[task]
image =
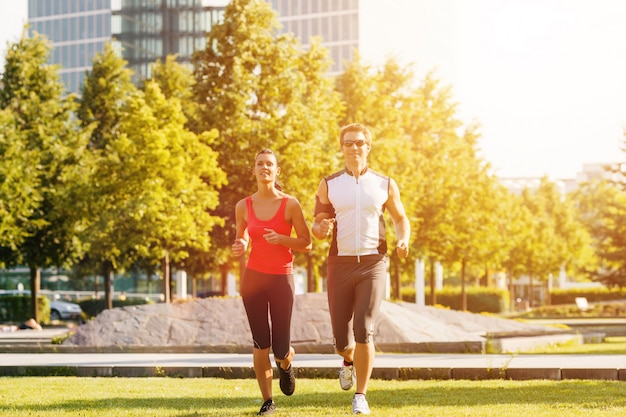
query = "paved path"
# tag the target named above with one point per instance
(387, 366)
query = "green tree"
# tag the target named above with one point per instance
(153, 181)
(557, 236)
(602, 208)
(40, 114)
(104, 96)
(472, 206)
(260, 89)
(515, 226)
(103, 104)
(177, 81)
(187, 180)
(421, 142)
(18, 185)
(381, 99)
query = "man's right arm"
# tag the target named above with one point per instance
(324, 221)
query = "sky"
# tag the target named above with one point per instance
(545, 80)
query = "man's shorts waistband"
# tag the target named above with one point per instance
(334, 259)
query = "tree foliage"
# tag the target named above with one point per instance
(46, 143)
(176, 81)
(420, 141)
(260, 89)
(556, 235)
(153, 181)
(603, 211)
(133, 176)
(19, 185)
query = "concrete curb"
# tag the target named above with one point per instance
(426, 347)
(387, 366)
(401, 374)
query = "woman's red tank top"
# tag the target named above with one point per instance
(265, 257)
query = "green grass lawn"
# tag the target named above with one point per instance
(96, 397)
(611, 345)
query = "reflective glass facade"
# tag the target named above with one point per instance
(78, 29)
(142, 30)
(148, 30)
(335, 21)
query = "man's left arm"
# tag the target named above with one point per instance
(400, 219)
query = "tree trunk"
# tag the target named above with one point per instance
(310, 278)
(548, 291)
(35, 284)
(433, 291)
(396, 284)
(96, 283)
(531, 294)
(224, 276)
(463, 293)
(511, 291)
(107, 273)
(167, 285)
(149, 272)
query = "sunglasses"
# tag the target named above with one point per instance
(359, 143)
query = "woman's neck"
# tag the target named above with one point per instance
(267, 190)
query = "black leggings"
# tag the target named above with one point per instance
(274, 292)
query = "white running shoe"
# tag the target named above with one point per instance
(347, 376)
(359, 405)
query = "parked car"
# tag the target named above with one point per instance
(59, 309)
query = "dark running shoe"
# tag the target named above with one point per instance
(287, 380)
(268, 407)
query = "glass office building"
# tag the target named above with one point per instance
(143, 31)
(335, 21)
(149, 30)
(77, 29)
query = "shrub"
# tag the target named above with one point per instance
(562, 296)
(92, 307)
(479, 299)
(17, 309)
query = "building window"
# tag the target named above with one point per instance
(335, 29)
(346, 33)
(335, 55)
(325, 29)
(304, 31)
(314, 4)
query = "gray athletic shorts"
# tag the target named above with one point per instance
(355, 291)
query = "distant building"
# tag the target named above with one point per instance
(589, 172)
(336, 22)
(368, 26)
(149, 30)
(142, 30)
(517, 184)
(610, 171)
(78, 30)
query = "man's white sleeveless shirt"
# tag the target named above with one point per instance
(359, 205)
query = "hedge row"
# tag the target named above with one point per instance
(479, 299)
(493, 300)
(92, 307)
(593, 295)
(16, 309)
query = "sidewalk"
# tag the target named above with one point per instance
(387, 366)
